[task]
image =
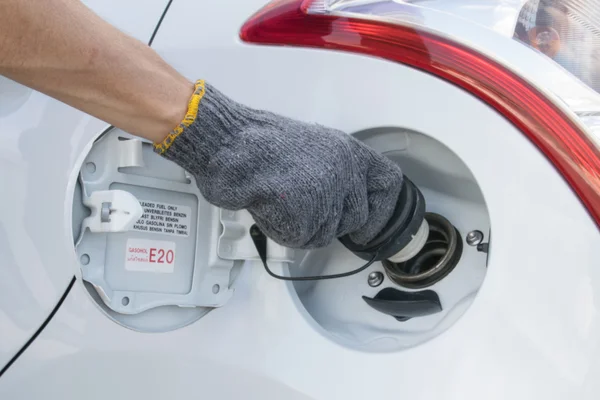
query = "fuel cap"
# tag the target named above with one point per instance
(403, 226)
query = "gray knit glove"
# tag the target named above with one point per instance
(305, 185)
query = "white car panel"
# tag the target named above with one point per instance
(134, 17)
(42, 141)
(532, 331)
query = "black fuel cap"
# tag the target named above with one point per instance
(402, 226)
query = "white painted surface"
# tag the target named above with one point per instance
(42, 140)
(134, 17)
(531, 333)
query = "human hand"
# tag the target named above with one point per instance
(304, 184)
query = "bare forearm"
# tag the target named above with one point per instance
(63, 49)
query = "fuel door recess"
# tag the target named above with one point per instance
(145, 236)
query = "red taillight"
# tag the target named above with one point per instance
(287, 22)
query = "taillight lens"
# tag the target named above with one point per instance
(315, 23)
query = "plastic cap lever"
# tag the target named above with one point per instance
(112, 211)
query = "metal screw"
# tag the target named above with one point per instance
(85, 259)
(474, 238)
(375, 279)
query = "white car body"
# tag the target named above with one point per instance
(529, 330)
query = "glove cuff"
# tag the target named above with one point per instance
(190, 117)
(211, 125)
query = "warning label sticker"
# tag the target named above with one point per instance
(144, 255)
(168, 219)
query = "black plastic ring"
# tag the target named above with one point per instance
(402, 226)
